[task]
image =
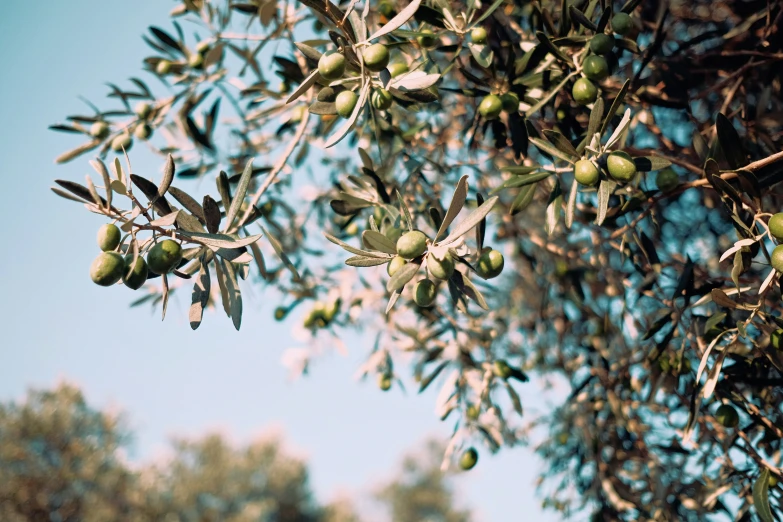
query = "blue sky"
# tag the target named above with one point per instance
(170, 380)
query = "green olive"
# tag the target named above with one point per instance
(601, 43)
(478, 35)
(395, 264)
(376, 57)
(440, 268)
(109, 237)
(412, 244)
(164, 257)
(107, 268)
(490, 107)
(425, 293)
(490, 264)
(621, 166)
(468, 459)
(586, 173)
(776, 226)
(381, 99)
(345, 103)
(331, 65)
(135, 276)
(596, 68)
(584, 91)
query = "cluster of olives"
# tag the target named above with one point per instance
(195, 60)
(331, 67)
(110, 266)
(619, 164)
(100, 129)
(595, 67)
(776, 230)
(414, 244)
(321, 314)
(491, 106)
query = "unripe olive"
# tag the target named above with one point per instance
(107, 268)
(510, 102)
(99, 130)
(143, 109)
(772, 481)
(440, 268)
(331, 65)
(621, 166)
(472, 412)
(163, 67)
(776, 226)
(502, 369)
(596, 68)
(727, 416)
(384, 382)
(280, 313)
(412, 244)
(143, 131)
(586, 173)
(490, 264)
(490, 107)
(667, 180)
(123, 141)
(381, 99)
(345, 103)
(776, 258)
(468, 459)
(425, 293)
(109, 237)
(164, 257)
(584, 91)
(135, 274)
(196, 61)
(386, 8)
(776, 339)
(601, 43)
(376, 57)
(397, 69)
(395, 264)
(428, 39)
(622, 24)
(478, 35)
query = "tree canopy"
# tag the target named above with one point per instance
(582, 190)
(62, 459)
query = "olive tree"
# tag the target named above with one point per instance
(584, 190)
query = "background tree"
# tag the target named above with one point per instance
(656, 296)
(62, 459)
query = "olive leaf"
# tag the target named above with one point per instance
(571, 205)
(650, 163)
(168, 176)
(553, 208)
(473, 219)
(426, 381)
(580, 17)
(761, 496)
(377, 241)
(216, 241)
(730, 143)
(398, 21)
(404, 211)
(618, 100)
(354, 250)
(311, 52)
(239, 196)
(552, 150)
(482, 54)
(457, 202)
(304, 86)
(184, 199)
(402, 276)
(523, 199)
(561, 142)
(200, 295)
(553, 49)
(100, 167)
(150, 190)
(278, 248)
(365, 261)
(605, 190)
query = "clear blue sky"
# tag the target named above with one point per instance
(172, 381)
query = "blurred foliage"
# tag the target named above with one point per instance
(62, 460)
(595, 182)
